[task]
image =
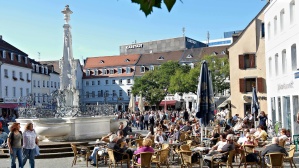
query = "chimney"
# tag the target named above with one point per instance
(0, 37)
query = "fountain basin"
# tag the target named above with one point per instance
(75, 128)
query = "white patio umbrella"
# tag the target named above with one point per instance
(132, 103)
(141, 104)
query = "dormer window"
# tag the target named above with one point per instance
(37, 68)
(46, 70)
(214, 53)
(102, 62)
(43, 70)
(128, 70)
(223, 52)
(161, 58)
(11, 56)
(26, 60)
(142, 69)
(111, 71)
(127, 60)
(105, 71)
(189, 56)
(152, 67)
(19, 58)
(4, 53)
(88, 72)
(120, 70)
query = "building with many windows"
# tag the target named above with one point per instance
(15, 75)
(282, 38)
(109, 79)
(248, 67)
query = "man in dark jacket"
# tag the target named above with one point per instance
(274, 147)
(116, 147)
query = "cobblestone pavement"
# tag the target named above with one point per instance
(67, 162)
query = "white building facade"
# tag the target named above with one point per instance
(282, 62)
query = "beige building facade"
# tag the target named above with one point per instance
(248, 67)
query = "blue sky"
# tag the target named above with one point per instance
(99, 27)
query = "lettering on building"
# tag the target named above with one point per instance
(191, 41)
(285, 86)
(10, 100)
(133, 46)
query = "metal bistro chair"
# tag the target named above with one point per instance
(276, 159)
(145, 157)
(291, 155)
(77, 154)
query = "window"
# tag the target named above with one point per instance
(27, 76)
(46, 70)
(26, 60)
(276, 65)
(19, 58)
(87, 83)
(281, 20)
(51, 84)
(189, 56)
(38, 85)
(6, 73)
(93, 94)
(54, 84)
(87, 94)
(106, 93)
(128, 70)
(269, 31)
(92, 82)
(44, 83)
(27, 91)
(111, 71)
(129, 92)
(11, 56)
(43, 70)
(88, 72)
(14, 91)
(13, 74)
(142, 69)
(120, 70)
(113, 81)
(246, 84)
(47, 83)
(161, 58)
(34, 84)
(96, 72)
(107, 82)
(100, 93)
(152, 67)
(292, 11)
(275, 25)
(270, 66)
(120, 81)
(58, 84)
(247, 61)
(128, 81)
(6, 91)
(99, 82)
(105, 71)
(120, 93)
(114, 92)
(37, 68)
(284, 61)
(21, 92)
(294, 57)
(4, 54)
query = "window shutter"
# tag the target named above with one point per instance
(242, 85)
(252, 60)
(241, 62)
(260, 85)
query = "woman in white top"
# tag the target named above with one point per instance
(29, 143)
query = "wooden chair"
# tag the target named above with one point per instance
(114, 162)
(165, 146)
(189, 143)
(186, 159)
(161, 157)
(77, 154)
(139, 142)
(243, 159)
(282, 143)
(184, 148)
(291, 155)
(99, 158)
(229, 162)
(276, 159)
(145, 157)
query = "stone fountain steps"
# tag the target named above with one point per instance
(51, 150)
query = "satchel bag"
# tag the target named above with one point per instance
(36, 151)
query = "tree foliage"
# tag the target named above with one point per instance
(146, 6)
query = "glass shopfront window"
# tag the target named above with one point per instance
(273, 110)
(295, 111)
(286, 112)
(279, 109)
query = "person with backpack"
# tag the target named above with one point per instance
(15, 143)
(29, 144)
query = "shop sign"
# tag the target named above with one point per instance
(191, 41)
(285, 86)
(248, 98)
(133, 46)
(10, 100)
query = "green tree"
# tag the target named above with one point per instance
(146, 6)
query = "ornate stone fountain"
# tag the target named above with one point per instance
(65, 118)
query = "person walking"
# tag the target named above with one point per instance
(146, 118)
(29, 143)
(14, 142)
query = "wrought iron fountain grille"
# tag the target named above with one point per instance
(58, 109)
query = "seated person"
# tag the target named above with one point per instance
(160, 138)
(274, 147)
(283, 135)
(219, 145)
(116, 147)
(3, 136)
(215, 136)
(250, 140)
(146, 147)
(243, 138)
(262, 134)
(187, 127)
(196, 129)
(106, 137)
(151, 133)
(176, 135)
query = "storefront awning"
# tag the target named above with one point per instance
(168, 103)
(9, 105)
(223, 104)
